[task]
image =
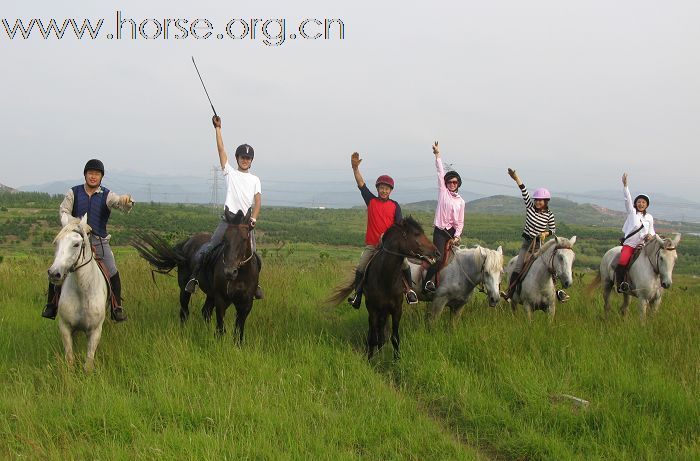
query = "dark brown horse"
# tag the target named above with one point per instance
(229, 272)
(384, 284)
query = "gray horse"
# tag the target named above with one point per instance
(650, 274)
(553, 260)
(468, 269)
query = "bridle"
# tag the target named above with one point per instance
(482, 271)
(402, 255)
(244, 261)
(657, 256)
(75, 265)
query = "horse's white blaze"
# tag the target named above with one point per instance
(650, 274)
(83, 300)
(537, 288)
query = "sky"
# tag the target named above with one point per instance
(569, 93)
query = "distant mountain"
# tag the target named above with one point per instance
(564, 210)
(4, 188)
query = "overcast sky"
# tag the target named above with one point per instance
(570, 93)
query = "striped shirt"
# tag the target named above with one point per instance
(536, 222)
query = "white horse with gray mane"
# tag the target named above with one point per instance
(83, 301)
(468, 269)
(650, 274)
(553, 260)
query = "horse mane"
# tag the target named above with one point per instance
(561, 242)
(411, 222)
(72, 226)
(492, 263)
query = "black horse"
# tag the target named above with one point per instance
(384, 284)
(229, 272)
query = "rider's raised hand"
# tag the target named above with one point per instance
(355, 160)
(436, 149)
(216, 120)
(624, 179)
(513, 174)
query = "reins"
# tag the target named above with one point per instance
(245, 261)
(81, 256)
(480, 285)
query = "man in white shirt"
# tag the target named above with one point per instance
(243, 192)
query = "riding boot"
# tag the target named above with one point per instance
(51, 308)
(620, 275)
(356, 300)
(512, 283)
(118, 314)
(411, 296)
(429, 286)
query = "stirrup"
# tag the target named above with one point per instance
(355, 301)
(191, 286)
(624, 287)
(411, 297)
(430, 286)
(118, 314)
(50, 311)
(562, 296)
(258, 293)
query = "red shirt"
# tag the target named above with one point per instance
(381, 215)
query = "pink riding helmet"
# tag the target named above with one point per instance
(541, 194)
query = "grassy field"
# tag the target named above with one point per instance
(301, 387)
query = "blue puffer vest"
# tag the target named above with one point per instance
(95, 206)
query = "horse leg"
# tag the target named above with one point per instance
(625, 304)
(643, 304)
(184, 305)
(207, 308)
(242, 312)
(551, 310)
(435, 310)
(395, 340)
(221, 306)
(67, 336)
(654, 304)
(607, 289)
(528, 310)
(372, 333)
(93, 339)
(456, 314)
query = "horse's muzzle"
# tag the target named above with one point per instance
(55, 277)
(566, 283)
(666, 285)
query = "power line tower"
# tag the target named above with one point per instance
(214, 201)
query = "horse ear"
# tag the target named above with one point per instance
(572, 240)
(676, 238)
(499, 250)
(83, 220)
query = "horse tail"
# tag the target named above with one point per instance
(340, 293)
(158, 252)
(595, 283)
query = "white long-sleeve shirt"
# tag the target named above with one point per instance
(634, 220)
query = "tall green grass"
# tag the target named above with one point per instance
(301, 388)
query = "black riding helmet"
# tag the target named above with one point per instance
(245, 150)
(453, 174)
(94, 164)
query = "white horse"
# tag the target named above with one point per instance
(553, 260)
(650, 274)
(468, 269)
(83, 301)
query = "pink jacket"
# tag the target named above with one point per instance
(450, 206)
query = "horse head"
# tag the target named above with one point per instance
(562, 259)
(662, 255)
(71, 245)
(237, 249)
(407, 238)
(491, 271)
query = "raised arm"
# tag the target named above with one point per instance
(355, 161)
(223, 157)
(629, 206)
(438, 165)
(523, 190)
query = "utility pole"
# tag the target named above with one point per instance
(214, 201)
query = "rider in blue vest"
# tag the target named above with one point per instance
(97, 201)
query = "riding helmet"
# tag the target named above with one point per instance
(384, 179)
(245, 150)
(453, 174)
(541, 194)
(94, 164)
(644, 196)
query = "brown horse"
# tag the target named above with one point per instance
(229, 272)
(384, 283)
